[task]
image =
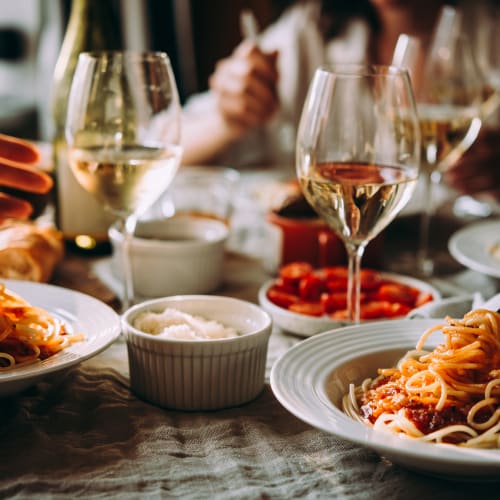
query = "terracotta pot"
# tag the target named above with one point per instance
(311, 240)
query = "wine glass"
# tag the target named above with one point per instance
(449, 96)
(123, 132)
(483, 27)
(358, 155)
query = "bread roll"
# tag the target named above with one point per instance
(29, 251)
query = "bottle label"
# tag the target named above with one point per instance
(78, 211)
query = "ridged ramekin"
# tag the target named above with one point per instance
(199, 374)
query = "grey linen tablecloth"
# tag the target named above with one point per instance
(83, 434)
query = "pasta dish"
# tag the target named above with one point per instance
(28, 333)
(448, 395)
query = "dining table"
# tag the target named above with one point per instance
(82, 432)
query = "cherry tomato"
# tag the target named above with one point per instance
(332, 272)
(281, 299)
(308, 308)
(373, 310)
(310, 288)
(423, 298)
(333, 301)
(337, 284)
(340, 314)
(281, 285)
(293, 272)
(396, 309)
(370, 279)
(395, 292)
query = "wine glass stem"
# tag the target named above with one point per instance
(424, 261)
(128, 228)
(354, 255)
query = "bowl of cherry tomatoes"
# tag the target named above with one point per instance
(305, 300)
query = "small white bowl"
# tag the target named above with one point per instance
(179, 255)
(199, 374)
(307, 326)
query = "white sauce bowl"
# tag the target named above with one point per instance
(179, 255)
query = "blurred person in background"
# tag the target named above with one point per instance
(250, 113)
(30, 35)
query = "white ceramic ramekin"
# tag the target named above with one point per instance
(199, 374)
(179, 255)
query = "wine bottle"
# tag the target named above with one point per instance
(92, 25)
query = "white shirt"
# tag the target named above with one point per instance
(301, 50)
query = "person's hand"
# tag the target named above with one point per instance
(18, 174)
(245, 87)
(478, 171)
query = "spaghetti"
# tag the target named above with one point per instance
(28, 333)
(448, 395)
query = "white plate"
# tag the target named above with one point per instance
(306, 326)
(310, 379)
(456, 307)
(470, 246)
(81, 313)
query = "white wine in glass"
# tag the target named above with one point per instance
(482, 25)
(449, 98)
(123, 133)
(358, 155)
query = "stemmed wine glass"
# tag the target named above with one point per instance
(123, 132)
(485, 33)
(358, 154)
(483, 27)
(449, 92)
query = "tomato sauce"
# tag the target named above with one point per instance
(389, 396)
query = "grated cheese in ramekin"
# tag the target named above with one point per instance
(174, 324)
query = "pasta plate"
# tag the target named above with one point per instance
(311, 378)
(81, 313)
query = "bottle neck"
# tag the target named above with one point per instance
(92, 25)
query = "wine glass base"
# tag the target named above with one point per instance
(426, 267)
(440, 264)
(401, 243)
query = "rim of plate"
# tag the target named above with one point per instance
(298, 380)
(476, 236)
(75, 309)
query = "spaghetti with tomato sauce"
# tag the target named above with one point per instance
(28, 333)
(448, 395)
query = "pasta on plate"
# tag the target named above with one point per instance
(448, 395)
(28, 333)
